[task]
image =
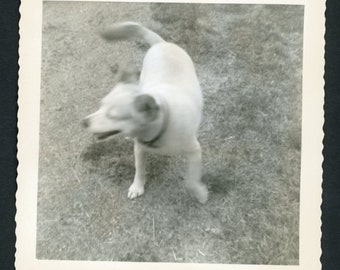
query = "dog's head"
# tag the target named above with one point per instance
(124, 110)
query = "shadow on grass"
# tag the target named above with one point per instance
(95, 151)
(218, 182)
(114, 158)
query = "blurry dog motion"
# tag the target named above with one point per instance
(160, 108)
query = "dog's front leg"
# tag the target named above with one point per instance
(193, 179)
(137, 187)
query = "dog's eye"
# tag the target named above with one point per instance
(110, 115)
(116, 117)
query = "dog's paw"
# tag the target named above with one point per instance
(202, 194)
(199, 191)
(135, 190)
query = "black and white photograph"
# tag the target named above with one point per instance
(170, 133)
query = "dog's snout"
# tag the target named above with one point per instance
(85, 123)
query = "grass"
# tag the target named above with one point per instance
(249, 61)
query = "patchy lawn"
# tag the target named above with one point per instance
(249, 61)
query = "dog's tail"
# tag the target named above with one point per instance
(127, 30)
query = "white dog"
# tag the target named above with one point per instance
(162, 111)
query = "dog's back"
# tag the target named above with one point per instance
(166, 66)
(169, 64)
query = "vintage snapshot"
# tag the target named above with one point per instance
(170, 135)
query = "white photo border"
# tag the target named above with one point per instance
(28, 145)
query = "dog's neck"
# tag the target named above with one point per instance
(152, 140)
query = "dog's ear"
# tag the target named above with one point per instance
(147, 106)
(129, 75)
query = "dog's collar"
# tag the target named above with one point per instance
(153, 143)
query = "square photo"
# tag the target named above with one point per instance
(170, 132)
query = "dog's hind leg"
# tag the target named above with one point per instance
(137, 187)
(193, 179)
